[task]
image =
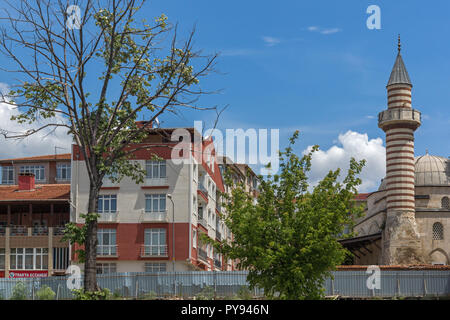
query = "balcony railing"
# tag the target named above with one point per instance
(154, 251)
(155, 216)
(18, 231)
(109, 216)
(202, 255)
(40, 231)
(156, 182)
(203, 190)
(203, 221)
(109, 250)
(59, 230)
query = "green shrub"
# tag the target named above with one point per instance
(45, 293)
(206, 294)
(244, 293)
(149, 296)
(80, 294)
(19, 292)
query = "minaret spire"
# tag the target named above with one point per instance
(399, 122)
(399, 44)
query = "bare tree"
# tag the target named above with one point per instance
(90, 67)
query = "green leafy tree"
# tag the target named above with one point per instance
(19, 292)
(288, 239)
(45, 293)
(93, 68)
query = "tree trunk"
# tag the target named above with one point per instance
(90, 269)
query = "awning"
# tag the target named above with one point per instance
(357, 243)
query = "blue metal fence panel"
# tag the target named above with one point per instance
(228, 283)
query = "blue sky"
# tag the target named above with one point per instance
(322, 84)
(316, 67)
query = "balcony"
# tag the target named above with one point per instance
(18, 231)
(106, 217)
(109, 250)
(149, 251)
(154, 216)
(400, 115)
(40, 231)
(202, 221)
(203, 192)
(153, 182)
(59, 230)
(202, 255)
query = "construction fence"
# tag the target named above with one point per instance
(229, 284)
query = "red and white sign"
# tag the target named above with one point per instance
(28, 274)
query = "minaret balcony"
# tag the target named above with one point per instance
(401, 116)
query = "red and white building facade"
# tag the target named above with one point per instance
(156, 225)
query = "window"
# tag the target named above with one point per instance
(445, 203)
(29, 259)
(8, 175)
(107, 203)
(438, 231)
(39, 171)
(155, 242)
(155, 203)
(63, 171)
(155, 169)
(106, 242)
(2, 258)
(60, 258)
(194, 239)
(155, 267)
(103, 268)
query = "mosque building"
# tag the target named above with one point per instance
(407, 220)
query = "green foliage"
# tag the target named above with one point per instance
(207, 293)
(149, 296)
(19, 292)
(288, 239)
(45, 293)
(244, 293)
(81, 294)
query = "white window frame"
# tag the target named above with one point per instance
(20, 256)
(107, 198)
(106, 267)
(150, 166)
(109, 247)
(37, 170)
(7, 172)
(63, 167)
(2, 258)
(155, 267)
(159, 198)
(159, 248)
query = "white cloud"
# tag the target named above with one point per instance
(271, 41)
(351, 144)
(323, 30)
(40, 143)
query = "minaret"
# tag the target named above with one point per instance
(399, 121)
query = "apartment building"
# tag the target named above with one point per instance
(34, 207)
(156, 225)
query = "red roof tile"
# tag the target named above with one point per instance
(63, 156)
(362, 196)
(42, 192)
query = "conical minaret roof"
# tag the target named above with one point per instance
(399, 75)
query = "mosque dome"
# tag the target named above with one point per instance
(432, 171)
(429, 171)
